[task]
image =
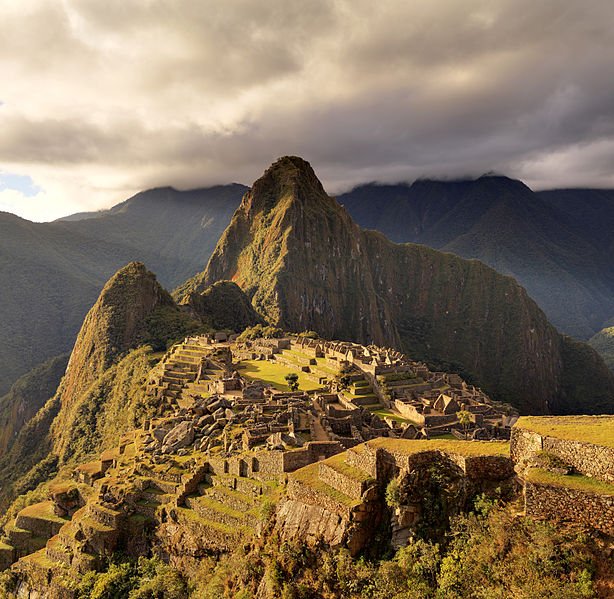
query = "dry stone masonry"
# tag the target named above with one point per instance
(205, 474)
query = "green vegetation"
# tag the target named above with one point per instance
(598, 430)
(114, 404)
(308, 335)
(386, 413)
(261, 332)
(292, 381)
(464, 419)
(224, 307)
(475, 448)
(141, 579)
(393, 493)
(168, 325)
(340, 465)
(571, 481)
(274, 374)
(27, 396)
(309, 475)
(489, 554)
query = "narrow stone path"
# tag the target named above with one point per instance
(318, 431)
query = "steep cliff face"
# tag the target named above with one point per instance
(305, 264)
(603, 342)
(27, 396)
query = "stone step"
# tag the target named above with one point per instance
(194, 351)
(362, 390)
(363, 458)
(67, 537)
(248, 486)
(214, 535)
(7, 555)
(164, 486)
(41, 519)
(215, 511)
(201, 387)
(177, 377)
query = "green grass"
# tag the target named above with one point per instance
(5, 546)
(42, 511)
(577, 482)
(598, 430)
(273, 374)
(217, 506)
(465, 448)
(384, 413)
(223, 528)
(40, 557)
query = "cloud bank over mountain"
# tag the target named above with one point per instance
(102, 99)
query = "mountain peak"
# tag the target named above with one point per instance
(288, 178)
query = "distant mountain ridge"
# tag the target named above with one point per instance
(557, 250)
(305, 264)
(558, 244)
(51, 273)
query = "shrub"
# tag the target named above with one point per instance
(393, 494)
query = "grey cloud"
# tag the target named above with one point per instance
(195, 93)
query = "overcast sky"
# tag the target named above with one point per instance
(100, 99)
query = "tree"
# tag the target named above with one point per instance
(292, 380)
(344, 376)
(464, 418)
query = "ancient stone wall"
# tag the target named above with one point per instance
(565, 504)
(364, 458)
(347, 485)
(312, 452)
(308, 495)
(488, 467)
(592, 460)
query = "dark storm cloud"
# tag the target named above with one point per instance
(126, 95)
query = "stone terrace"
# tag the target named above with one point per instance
(566, 478)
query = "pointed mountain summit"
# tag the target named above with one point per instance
(132, 309)
(305, 264)
(299, 257)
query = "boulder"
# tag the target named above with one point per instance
(179, 437)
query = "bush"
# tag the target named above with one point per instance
(393, 494)
(260, 332)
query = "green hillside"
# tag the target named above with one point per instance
(51, 273)
(557, 244)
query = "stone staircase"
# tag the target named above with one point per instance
(178, 382)
(224, 510)
(360, 393)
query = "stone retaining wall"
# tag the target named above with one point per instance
(337, 480)
(564, 504)
(596, 461)
(364, 459)
(310, 453)
(307, 494)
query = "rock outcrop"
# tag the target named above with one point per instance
(305, 264)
